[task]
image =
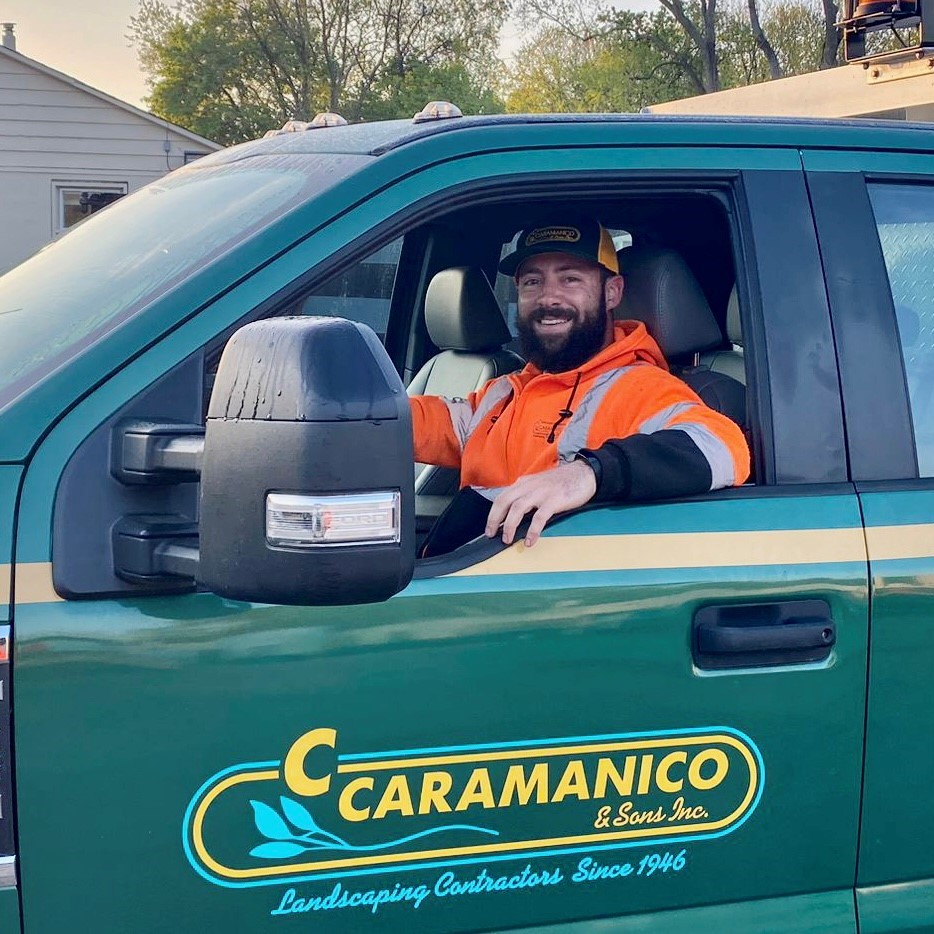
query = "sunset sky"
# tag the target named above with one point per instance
(86, 39)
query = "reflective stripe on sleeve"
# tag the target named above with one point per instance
(461, 413)
(488, 492)
(660, 420)
(497, 391)
(715, 450)
(575, 433)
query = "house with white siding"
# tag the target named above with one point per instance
(67, 149)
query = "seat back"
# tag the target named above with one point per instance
(661, 291)
(465, 322)
(729, 362)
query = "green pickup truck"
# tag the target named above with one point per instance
(233, 699)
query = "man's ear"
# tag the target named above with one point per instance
(613, 292)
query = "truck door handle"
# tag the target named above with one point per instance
(763, 634)
(792, 634)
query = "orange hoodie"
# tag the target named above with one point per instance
(531, 421)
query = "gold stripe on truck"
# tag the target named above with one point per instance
(677, 550)
(636, 552)
(33, 583)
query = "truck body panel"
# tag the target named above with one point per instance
(533, 738)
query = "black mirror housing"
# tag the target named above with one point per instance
(312, 408)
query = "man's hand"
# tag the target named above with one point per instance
(560, 489)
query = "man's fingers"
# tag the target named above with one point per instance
(502, 506)
(498, 512)
(517, 511)
(542, 516)
(546, 494)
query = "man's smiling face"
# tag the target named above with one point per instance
(563, 301)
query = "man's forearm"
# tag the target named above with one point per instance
(661, 465)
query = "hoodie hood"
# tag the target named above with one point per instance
(632, 343)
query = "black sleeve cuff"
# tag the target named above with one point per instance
(662, 465)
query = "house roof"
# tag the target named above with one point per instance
(113, 101)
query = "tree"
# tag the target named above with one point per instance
(694, 46)
(618, 62)
(547, 76)
(698, 20)
(229, 69)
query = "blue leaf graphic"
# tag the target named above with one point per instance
(297, 814)
(269, 823)
(277, 850)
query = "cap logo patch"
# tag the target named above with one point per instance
(556, 234)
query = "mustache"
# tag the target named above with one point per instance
(537, 315)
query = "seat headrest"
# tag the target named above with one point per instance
(661, 291)
(461, 312)
(734, 326)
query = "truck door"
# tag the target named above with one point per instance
(658, 709)
(10, 477)
(876, 219)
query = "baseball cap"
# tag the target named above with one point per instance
(580, 236)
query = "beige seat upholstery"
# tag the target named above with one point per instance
(729, 362)
(465, 322)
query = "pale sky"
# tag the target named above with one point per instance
(83, 38)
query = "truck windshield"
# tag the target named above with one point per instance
(106, 269)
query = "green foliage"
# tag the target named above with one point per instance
(622, 61)
(231, 69)
(404, 95)
(631, 60)
(794, 29)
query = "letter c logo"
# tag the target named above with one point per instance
(295, 776)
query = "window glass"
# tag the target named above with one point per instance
(75, 202)
(905, 219)
(362, 293)
(107, 269)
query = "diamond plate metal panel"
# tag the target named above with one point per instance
(908, 249)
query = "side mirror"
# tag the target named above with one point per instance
(307, 480)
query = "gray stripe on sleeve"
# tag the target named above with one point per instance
(574, 436)
(461, 413)
(722, 471)
(497, 392)
(660, 420)
(488, 492)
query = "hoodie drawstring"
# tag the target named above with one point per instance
(566, 412)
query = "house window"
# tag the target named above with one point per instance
(74, 201)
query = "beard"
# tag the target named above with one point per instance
(563, 352)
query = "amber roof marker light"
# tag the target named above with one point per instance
(437, 110)
(323, 119)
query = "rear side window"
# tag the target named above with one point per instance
(905, 220)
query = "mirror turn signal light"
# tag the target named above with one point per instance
(298, 520)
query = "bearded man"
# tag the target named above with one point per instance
(594, 415)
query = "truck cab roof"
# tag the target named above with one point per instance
(379, 138)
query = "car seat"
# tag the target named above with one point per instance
(661, 291)
(731, 362)
(467, 325)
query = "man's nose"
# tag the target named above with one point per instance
(551, 293)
